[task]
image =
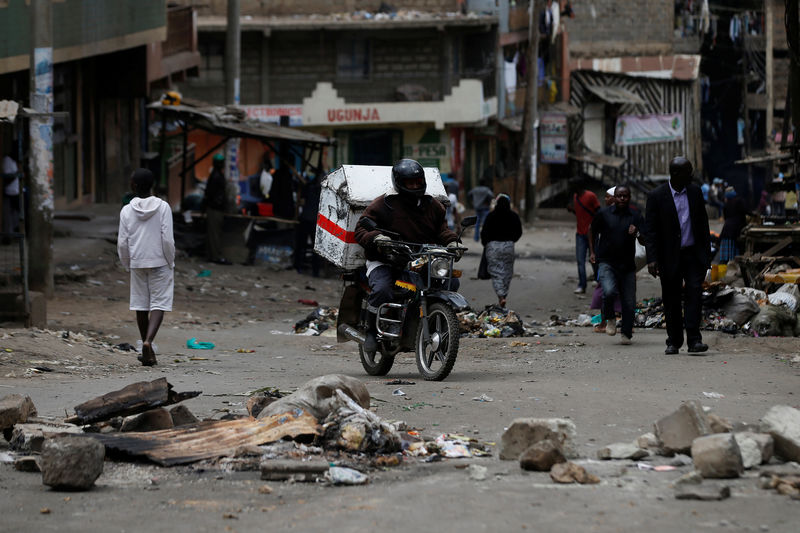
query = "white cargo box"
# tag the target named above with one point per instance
(346, 192)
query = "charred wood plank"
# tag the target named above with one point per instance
(207, 439)
(133, 399)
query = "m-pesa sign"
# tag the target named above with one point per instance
(366, 114)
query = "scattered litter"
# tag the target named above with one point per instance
(452, 448)
(553, 350)
(204, 273)
(6, 457)
(244, 350)
(339, 475)
(317, 321)
(483, 398)
(400, 382)
(194, 344)
(305, 301)
(125, 347)
(398, 392)
(659, 468)
(494, 321)
(714, 395)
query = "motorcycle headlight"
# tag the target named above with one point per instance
(440, 268)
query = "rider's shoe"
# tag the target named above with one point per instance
(371, 342)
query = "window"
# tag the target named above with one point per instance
(353, 59)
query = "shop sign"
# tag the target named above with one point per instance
(645, 129)
(273, 113)
(366, 114)
(553, 138)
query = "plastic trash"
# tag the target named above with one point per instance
(340, 475)
(714, 395)
(452, 448)
(398, 392)
(596, 319)
(204, 273)
(305, 301)
(194, 344)
(483, 398)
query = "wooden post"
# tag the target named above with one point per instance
(528, 160)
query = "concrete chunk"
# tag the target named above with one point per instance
(756, 448)
(719, 424)
(717, 456)
(15, 409)
(27, 463)
(621, 450)
(541, 456)
(783, 423)
(677, 431)
(181, 415)
(70, 462)
(704, 492)
(152, 420)
(525, 432)
(29, 437)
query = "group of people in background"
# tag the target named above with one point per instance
(676, 240)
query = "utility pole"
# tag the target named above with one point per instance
(769, 17)
(233, 52)
(40, 214)
(528, 158)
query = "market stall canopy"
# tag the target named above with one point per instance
(230, 121)
(616, 95)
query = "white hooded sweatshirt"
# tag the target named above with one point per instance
(145, 234)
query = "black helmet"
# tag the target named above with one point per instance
(408, 178)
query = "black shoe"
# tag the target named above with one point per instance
(371, 342)
(697, 347)
(671, 350)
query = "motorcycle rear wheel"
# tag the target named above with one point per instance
(436, 358)
(377, 363)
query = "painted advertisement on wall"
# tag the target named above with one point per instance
(553, 139)
(645, 129)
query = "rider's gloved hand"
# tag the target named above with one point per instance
(380, 240)
(455, 248)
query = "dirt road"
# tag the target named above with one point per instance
(612, 393)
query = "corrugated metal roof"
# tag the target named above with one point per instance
(230, 121)
(616, 95)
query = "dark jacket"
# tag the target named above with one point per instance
(423, 223)
(663, 231)
(735, 213)
(501, 225)
(215, 197)
(615, 246)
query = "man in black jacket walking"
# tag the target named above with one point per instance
(677, 241)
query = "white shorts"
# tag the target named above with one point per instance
(151, 288)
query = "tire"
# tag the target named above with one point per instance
(377, 363)
(436, 360)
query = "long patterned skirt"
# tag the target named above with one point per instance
(500, 262)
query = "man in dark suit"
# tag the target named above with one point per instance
(677, 241)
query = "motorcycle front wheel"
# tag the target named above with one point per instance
(435, 358)
(377, 363)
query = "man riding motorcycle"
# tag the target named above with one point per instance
(415, 217)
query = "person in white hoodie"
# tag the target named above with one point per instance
(146, 246)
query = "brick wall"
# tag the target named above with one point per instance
(298, 60)
(607, 28)
(315, 7)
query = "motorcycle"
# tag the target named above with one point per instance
(421, 317)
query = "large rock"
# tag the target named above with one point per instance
(717, 456)
(783, 423)
(71, 462)
(318, 397)
(648, 441)
(151, 420)
(15, 409)
(677, 431)
(181, 416)
(756, 448)
(30, 436)
(622, 450)
(525, 432)
(541, 456)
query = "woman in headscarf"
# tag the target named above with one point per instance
(500, 231)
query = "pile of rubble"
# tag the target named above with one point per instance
(324, 431)
(714, 447)
(493, 321)
(317, 321)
